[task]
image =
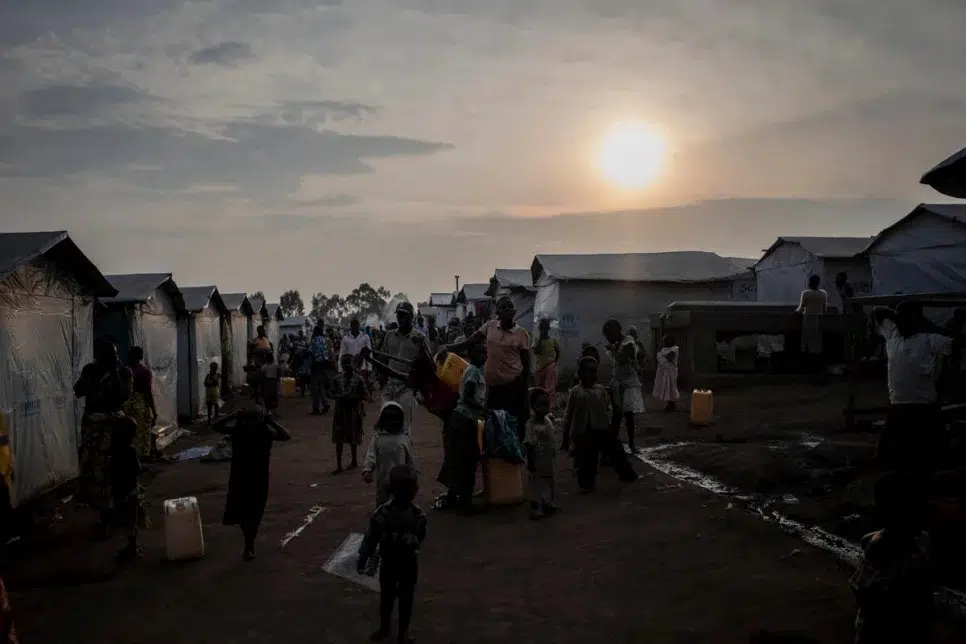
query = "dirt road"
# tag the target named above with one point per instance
(654, 562)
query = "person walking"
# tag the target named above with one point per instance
(321, 357)
(403, 347)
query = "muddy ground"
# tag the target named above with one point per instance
(655, 562)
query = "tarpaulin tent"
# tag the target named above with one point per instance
(580, 292)
(273, 317)
(145, 314)
(47, 297)
(948, 176)
(473, 299)
(924, 252)
(783, 271)
(445, 305)
(240, 314)
(199, 345)
(517, 283)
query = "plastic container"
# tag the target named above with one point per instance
(702, 407)
(502, 482)
(451, 371)
(288, 387)
(184, 538)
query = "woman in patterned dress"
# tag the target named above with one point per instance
(140, 406)
(105, 386)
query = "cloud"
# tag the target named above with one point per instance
(229, 54)
(330, 201)
(99, 101)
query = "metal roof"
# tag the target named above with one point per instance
(237, 302)
(197, 298)
(824, 247)
(137, 288)
(948, 176)
(953, 211)
(17, 249)
(514, 278)
(442, 299)
(473, 293)
(678, 266)
(258, 304)
(273, 310)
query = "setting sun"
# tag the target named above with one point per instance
(631, 155)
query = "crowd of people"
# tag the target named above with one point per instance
(514, 378)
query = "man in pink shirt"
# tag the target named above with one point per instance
(507, 368)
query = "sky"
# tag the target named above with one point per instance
(317, 144)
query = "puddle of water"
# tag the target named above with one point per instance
(842, 548)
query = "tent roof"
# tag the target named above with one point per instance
(137, 288)
(473, 293)
(678, 266)
(511, 279)
(197, 298)
(953, 211)
(258, 304)
(823, 247)
(297, 321)
(274, 311)
(237, 302)
(17, 249)
(948, 176)
(442, 299)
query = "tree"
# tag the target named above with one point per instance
(366, 302)
(257, 294)
(291, 304)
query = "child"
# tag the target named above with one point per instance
(666, 379)
(349, 391)
(461, 449)
(892, 585)
(397, 530)
(252, 432)
(541, 456)
(212, 391)
(271, 377)
(587, 350)
(389, 447)
(586, 429)
(127, 493)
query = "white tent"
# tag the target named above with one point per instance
(239, 321)
(199, 345)
(47, 297)
(517, 283)
(145, 314)
(473, 298)
(949, 176)
(924, 252)
(783, 271)
(580, 292)
(272, 320)
(445, 305)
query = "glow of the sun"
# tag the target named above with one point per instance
(631, 155)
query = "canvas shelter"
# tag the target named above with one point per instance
(259, 314)
(474, 299)
(200, 337)
(48, 289)
(782, 272)
(924, 252)
(948, 176)
(145, 313)
(517, 283)
(580, 292)
(445, 305)
(292, 326)
(239, 320)
(273, 319)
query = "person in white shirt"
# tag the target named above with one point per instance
(813, 304)
(353, 343)
(916, 349)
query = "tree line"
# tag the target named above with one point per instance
(364, 302)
